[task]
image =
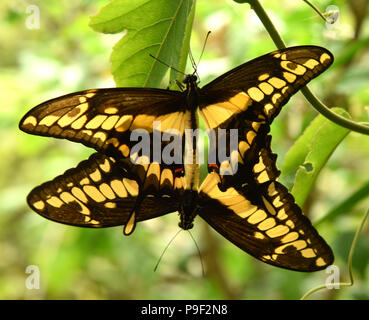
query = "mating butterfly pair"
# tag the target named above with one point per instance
(249, 208)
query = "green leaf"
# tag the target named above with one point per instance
(158, 27)
(310, 153)
(347, 204)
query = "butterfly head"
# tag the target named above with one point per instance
(190, 78)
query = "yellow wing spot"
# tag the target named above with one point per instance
(268, 107)
(119, 188)
(271, 189)
(290, 77)
(110, 122)
(96, 122)
(263, 76)
(86, 132)
(124, 123)
(320, 262)
(263, 177)
(277, 55)
(243, 147)
(311, 63)
(256, 125)
(240, 160)
(292, 236)
(225, 164)
(260, 166)
(111, 110)
(266, 88)
(55, 202)
(107, 191)
(79, 123)
(255, 94)
(31, 120)
(277, 202)
(48, 120)
(113, 141)
(131, 186)
(91, 221)
(267, 224)
(96, 175)
(324, 57)
(241, 100)
(277, 231)
(281, 215)
(94, 193)
(276, 82)
(178, 183)
(90, 94)
(267, 257)
(293, 67)
(72, 115)
(67, 197)
(100, 135)
(78, 193)
(128, 228)
(124, 149)
(290, 223)
(284, 56)
(166, 177)
(110, 205)
(308, 253)
(284, 90)
(39, 205)
(105, 166)
(84, 181)
(256, 217)
(268, 206)
(250, 136)
(298, 244)
(82, 99)
(276, 97)
(259, 235)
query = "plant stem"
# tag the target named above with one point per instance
(314, 101)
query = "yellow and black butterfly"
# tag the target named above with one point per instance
(248, 207)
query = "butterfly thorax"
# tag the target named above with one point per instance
(188, 209)
(192, 92)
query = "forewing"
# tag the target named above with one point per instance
(257, 90)
(264, 221)
(105, 118)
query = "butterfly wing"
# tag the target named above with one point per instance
(264, 221)
(105, 118)
(102, 192)
(257, 90)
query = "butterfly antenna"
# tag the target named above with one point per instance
(170, 67)
(193, 63)
(165, 249)
(198, 250)
(203, 47)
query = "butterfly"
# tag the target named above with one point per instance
(246, 204)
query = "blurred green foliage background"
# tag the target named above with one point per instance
(65, 55)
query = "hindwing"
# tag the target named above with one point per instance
(103, 192)
(264, 221)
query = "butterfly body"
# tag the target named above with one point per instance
(241, 199)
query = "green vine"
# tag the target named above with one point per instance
(314, 101)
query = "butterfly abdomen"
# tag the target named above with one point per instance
(187, 211)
